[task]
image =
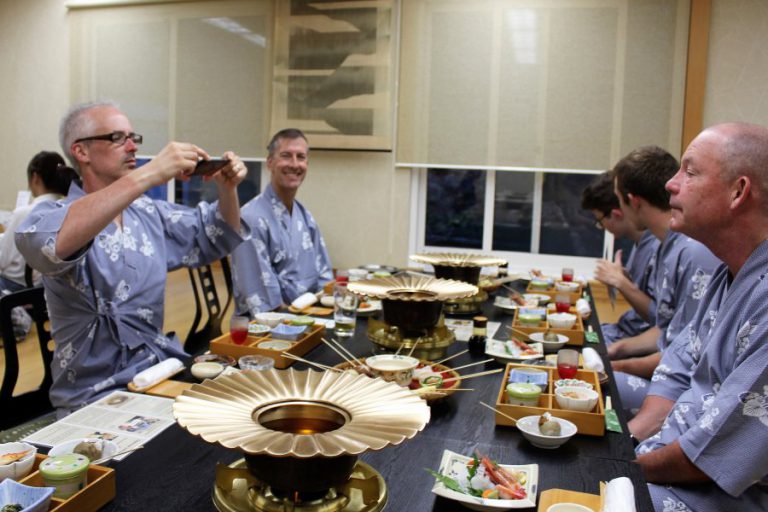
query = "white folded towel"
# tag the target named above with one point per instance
(157, 373)
(592, 360)
(619, 496)
(304, 301)
(583, 308)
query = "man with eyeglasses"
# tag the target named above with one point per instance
(105, 251)
(634, 282)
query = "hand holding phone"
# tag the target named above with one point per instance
(208, 167)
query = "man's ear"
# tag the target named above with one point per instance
(79, 152)
(616, 213)
(740, 190)
(634, 201)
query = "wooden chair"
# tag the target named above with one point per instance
(29, 405)
(206, 294)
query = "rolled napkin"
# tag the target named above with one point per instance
(157, 373)
(583, 308)
(619, 496)
(592, 360)
(304, 301)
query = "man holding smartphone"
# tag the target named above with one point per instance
(286, 255)
(105, 250)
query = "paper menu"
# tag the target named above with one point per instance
(128, 419)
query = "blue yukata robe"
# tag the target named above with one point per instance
(106, 303)
(285, 257)
(640, 265)
(683, 270)
(716, 372)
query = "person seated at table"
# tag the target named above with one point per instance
(682, 271)
(705, 420)
(286, 256)
(48, 179)
(105, 250)
(634, 282)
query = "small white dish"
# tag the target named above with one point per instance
(508, 353)
(566, 286)
(505, 304)
(106, 447)
(453, 462)
(271, 318)
(573, 383)
(549, 346)
(568, 507)
(576, 398)
(529, 427)
(539, 298)
(275, 345)
(31, 498)
(561, 320)
(258, 329)
(372, 307)
(327, 301)
(207, 370)
(22, 466)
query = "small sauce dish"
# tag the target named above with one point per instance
(206, 370)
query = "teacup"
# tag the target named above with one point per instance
(393, 367)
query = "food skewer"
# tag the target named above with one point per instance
(402, 344)
(479, 374)
(312, 363)
(472, 364)
(499, 412)
(416, 342)
(450, 357)
(519, 332)
(350, 354)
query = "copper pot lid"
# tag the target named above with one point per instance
(260, 412)
(452, 259)
(413, 288)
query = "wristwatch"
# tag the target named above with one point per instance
(635, 441)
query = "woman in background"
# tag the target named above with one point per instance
(48, 178)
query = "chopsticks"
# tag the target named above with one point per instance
(450, 357)
(479, 374)
(514, 420)
(472, 364)
(352, 360)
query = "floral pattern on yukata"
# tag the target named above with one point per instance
(756, 405)
(672, 505)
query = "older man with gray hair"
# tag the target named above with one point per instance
(705, 419)
(105, 250)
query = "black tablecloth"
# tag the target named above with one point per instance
(176, 470)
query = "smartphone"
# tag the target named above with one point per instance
(208, 167)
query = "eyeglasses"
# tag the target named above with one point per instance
(599, 222)
(118, 138)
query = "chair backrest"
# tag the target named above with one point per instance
(20, 408)
(207, 296)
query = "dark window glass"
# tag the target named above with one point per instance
(158, 192)
(565, 227)
(195, 190)
(455, 201)
(513, 211)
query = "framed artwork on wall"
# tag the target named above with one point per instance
(333, 72)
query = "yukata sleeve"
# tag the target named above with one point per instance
(728, 440)
(322, 260)
(256, 283)
(672, 377)
(197, 236)
(36, 239)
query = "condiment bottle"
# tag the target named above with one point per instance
(503, 270)
(476, 343)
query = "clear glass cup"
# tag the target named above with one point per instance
(238, 329)
(563, 303)
(256, 363)
(567, 274)
(345, 305)
(567, 363)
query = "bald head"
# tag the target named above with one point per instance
(743, 152)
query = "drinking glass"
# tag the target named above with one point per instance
(238, 329)
(345, 305)
(563, 303)
(567, 274)
(567, 363)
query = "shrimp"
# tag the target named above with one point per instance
(507, 484)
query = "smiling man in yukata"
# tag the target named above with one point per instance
(105, 250)
(705, 419)
(286, 256)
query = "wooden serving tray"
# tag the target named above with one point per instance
(99, 490)
(310, 339)
(589, 423)
(553, 496)
(552, 291)
(575, 333)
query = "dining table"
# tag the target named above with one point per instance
(176, 470)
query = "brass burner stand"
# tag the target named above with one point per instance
(430, 345)
(466, 306)
(237, 490)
